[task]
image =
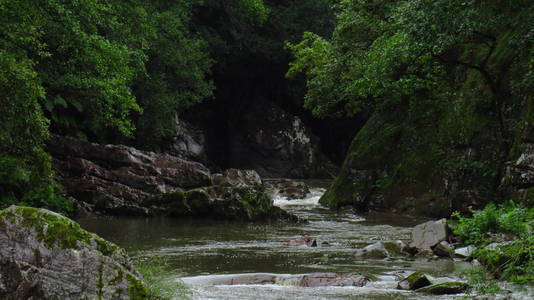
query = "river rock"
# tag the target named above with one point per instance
(443, 249)
(219, 202)
(235, 177)
(397, 247)
(44, 255)
(414, 281)
(445, 288)
(332, 279)
(373, 251)
(429, 234)
(304, 240)
(116, 179)
(464, 252)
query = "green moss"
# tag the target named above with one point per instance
(446, 288)
(53, 230)
(136, 288)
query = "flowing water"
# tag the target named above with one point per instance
(204, 252)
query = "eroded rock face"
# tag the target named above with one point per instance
(44, 255)
(189, 142)
(277, 144)
(116, 179)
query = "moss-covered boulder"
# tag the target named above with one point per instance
(445, 288)
(414, 281)
(219, 202)
(44, 255)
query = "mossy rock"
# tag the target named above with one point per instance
(446, 288)
(48, 256)
(219, 202)
(414, 281)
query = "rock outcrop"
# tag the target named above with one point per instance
(44, 255)
(277, 144)
(189, 142)
(116, 179)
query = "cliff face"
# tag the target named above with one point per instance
(435, 158)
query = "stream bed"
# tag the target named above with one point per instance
(203, 252)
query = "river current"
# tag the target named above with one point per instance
(201, 253)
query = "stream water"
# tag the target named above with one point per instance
(201, 252)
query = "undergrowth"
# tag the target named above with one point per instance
(503, 236)
(161, 287)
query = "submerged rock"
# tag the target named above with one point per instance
(414, 281)
(44, 255)
(220, 202)
(429, 234)
(373, 251)
(304, 240)
(307, 280)
(332, 279)
(445, 288)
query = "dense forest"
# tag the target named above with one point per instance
(413, 107)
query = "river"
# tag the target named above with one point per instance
(201, 252)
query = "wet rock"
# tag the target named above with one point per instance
(289, 189)
(446, 288)
(219, 202)
(443, 249)
(44, 255)
(235, 177)
(373, 251)
(464, 252)
(252, 279)
(116, 179)
(429, 234)
(414, 281)
(304, 240)
(397, 247)
(332, 279)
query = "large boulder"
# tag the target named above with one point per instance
(429, 234)
(116, 179)
(44, 255)
(220, 202)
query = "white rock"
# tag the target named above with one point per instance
(429, 234)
